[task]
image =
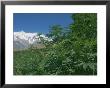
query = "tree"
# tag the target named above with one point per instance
(84, 25)
(75, 53)
(56, 32)
(84, 34)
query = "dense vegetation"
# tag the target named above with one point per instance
(73, 50)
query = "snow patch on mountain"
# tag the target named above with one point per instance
(30, 37)
(24, 40)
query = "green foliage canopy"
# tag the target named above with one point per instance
(73, 51)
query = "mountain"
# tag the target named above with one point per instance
(24, 40)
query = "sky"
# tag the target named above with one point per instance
(39, 22)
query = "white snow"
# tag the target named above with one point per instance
(30, 37)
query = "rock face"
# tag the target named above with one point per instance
(23, 40)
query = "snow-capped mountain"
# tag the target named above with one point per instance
(23, 40)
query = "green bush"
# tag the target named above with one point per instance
(72, 51)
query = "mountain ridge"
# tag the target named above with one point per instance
(23, 40)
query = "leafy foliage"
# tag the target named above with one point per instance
(73, 51)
